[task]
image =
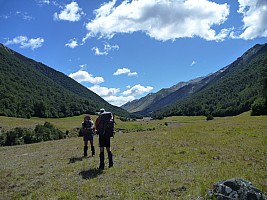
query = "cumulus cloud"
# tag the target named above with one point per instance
(83, 76)
(24, 42)
(71, 13)
(125, 71)
(107, 48)
(104, 91)
(119, 100)
(162, 19)
(114, 97)
(254, 18)
(137, 90)
(111, 95)
(72, 43)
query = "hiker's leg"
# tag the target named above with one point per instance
(102, 158)
(110, 156)
(92, 147)
(110, 159)
(85, 148)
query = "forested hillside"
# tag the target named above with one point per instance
(239, 87)
(29, 88)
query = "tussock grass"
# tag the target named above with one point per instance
(180, 159)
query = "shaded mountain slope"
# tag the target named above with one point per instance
(29, 88)
(231, 92)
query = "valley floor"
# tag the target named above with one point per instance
(177, 158)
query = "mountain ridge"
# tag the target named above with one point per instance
(189, 90)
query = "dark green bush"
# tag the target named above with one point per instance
(209, 117)
(259, 107)
(41, 133)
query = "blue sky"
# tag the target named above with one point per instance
(123, 50)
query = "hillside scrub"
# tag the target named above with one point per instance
(20, 136)
(172, 162)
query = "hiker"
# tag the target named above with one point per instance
(88, 134)
(105, 130)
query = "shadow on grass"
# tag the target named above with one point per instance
(75, 159)
(91, 173)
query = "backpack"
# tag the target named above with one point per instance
(87, 124)
(236, 189)
(107, 124)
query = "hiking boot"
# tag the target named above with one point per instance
(85, 148)
(93, 150)
(102, 163)
(110, 159)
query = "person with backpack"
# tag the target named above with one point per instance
(105, 130)
(88, 135)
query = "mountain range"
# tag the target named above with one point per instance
(229, 91)
(29, 88)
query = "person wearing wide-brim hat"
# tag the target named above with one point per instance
(104, 139)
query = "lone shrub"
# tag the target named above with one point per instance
(209, 117)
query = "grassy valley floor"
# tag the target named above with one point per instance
(175, 158)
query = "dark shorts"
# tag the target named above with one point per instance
(88, 135)
(104, 141)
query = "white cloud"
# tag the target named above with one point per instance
(104, 91)
(122, 71)
(113, 96)
(23, 15)
(24, 42)
(137, 90)
(72, 43)
(193, 63)
(71, 13)
(98, 52)
(109, 94)
(107, 48)
(162, 19)
(125, 71)
(19, 14)
(132, 74)
(254, 18)
(83, 76)
(119, 100)
(43, 2)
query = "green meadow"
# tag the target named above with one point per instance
(173, 158)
